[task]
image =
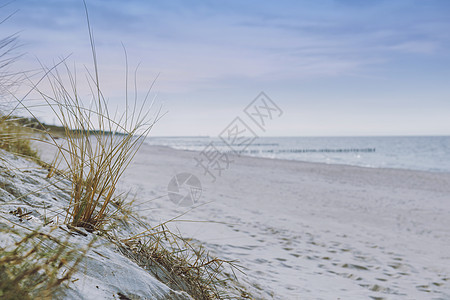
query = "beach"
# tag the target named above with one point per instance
(309, 230)
(303, 230)
(224, 150)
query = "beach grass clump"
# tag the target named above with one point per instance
(15, 137)
(37, 266)
(96, 150)
(182, 264)
(98, 146)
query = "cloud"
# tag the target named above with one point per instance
(199, 40)
(239, 45)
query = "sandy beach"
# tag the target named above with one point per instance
(224, 150)
(308, 230)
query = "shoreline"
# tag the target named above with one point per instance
(313, 162)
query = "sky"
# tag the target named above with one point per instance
(334, 67)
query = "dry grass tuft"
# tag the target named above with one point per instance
(98, 146)
(181, 264)
(37, 266)
(15, 137)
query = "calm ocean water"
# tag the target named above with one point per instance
(428, 153)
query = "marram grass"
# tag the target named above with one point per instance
(37, 265)
(98, 146)
(15, 138)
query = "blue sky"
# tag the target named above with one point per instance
(341, 67)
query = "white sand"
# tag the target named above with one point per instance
(308, 230)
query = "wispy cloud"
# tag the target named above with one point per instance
(200, 40)
(201, 45)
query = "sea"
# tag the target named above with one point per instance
(426, 153)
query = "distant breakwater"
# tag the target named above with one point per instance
(321, 150)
